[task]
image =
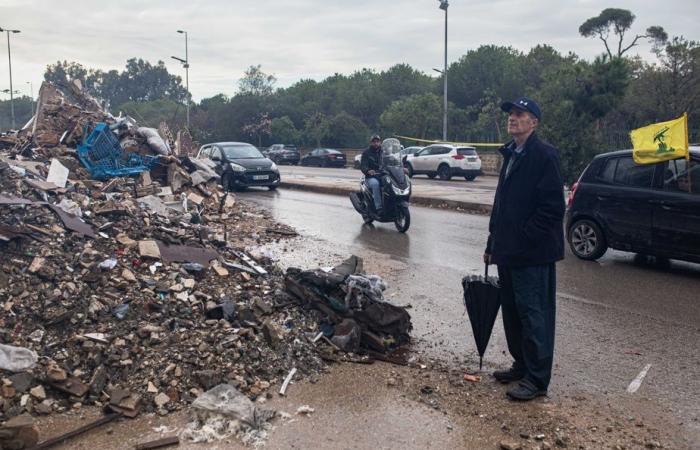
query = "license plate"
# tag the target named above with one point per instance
(261, 177)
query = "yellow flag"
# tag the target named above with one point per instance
(661, 141)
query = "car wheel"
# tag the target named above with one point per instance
(587, 240)
(470, 177)
(272, 188)
(444, 172)
(410, 170)
(431, 175)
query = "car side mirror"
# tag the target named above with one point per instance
(216, 158)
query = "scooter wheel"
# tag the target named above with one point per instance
(403, 219)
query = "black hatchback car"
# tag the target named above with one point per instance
(240, 165)
(650, 209)
(324, 157)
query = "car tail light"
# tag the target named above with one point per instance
(572, 192)
(332, 156)
(458, 157)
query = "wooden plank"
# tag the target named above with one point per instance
(64, 437)
(158, 443)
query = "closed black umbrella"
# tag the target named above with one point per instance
(482, 299)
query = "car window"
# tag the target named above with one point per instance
(215, 153)
(607, 172)
(681, 175)
(443, 151)
(241, 151)
(466, 151)
(629, 173)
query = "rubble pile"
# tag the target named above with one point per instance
(350, 307)
(138, 293)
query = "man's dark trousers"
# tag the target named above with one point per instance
(528, 296)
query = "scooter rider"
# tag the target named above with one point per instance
(370, 164)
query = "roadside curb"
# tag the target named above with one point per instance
(457, 205)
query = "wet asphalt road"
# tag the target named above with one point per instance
(614, 316)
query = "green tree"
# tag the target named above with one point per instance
(258, 127)
(418, 116)
(344, 130)
(23, 112)
(282, 130)
(498, 69)
(140, 81)
(152, 113)
(256, 82)
(316, 128)
(618, 21)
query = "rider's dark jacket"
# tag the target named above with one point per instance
(371, 159)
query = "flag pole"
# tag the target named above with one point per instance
(687, 151)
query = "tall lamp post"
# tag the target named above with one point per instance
(186, 64)
(444, 4)
(9, 59)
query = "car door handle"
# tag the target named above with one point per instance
(657, 202)
(603, 196)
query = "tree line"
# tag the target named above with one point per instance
(588, 106)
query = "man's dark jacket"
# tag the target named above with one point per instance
(371, 159)
(526, 226)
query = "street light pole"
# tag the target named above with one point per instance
(9, 59)
(187, 76)
(444, 4)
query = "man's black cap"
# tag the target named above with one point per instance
(524, 104)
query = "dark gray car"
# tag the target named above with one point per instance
(650, 209)
(241, 165)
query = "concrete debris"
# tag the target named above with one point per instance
(126, 297)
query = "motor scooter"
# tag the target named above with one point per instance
(395, 189)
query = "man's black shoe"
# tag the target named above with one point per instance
(506, 376)
(525, 391)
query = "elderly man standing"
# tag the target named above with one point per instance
(526, 239)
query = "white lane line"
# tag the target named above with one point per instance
(634, 385)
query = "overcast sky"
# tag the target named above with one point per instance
(296, 39)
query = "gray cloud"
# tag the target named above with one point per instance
(297, 39)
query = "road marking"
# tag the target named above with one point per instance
(634, 385)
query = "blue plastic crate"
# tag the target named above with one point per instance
(104, 158)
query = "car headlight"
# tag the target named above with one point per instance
(237, 167)
(273, 167)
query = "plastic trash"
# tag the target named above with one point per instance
(193, 267)
(16, 359)
(108, 264)
(227, 401)
(120, 311)
(154, 140)
(70, 207)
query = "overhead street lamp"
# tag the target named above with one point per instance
(9, 59)
(444, 4)
(186, 64)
